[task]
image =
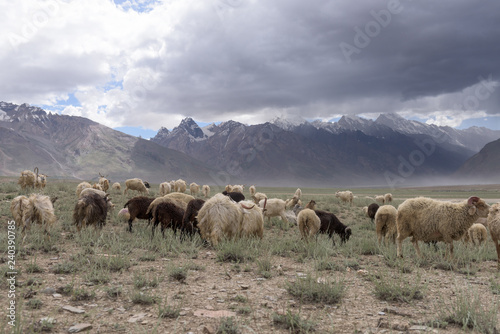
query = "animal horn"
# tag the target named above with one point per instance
(472, 200)
(265, 203)
(247, 207)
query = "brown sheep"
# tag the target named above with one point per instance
(138, 208)
(91, 209)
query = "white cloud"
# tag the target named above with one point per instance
(151, 63)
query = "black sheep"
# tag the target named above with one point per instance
(138, 208)
(167, 214)
(189, 221)
(330, 224)
(235, 196)
(372, 210)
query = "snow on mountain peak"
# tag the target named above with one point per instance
(288, 123)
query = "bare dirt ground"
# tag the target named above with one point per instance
(215, 290)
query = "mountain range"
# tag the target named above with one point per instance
(75, 147)
(388, 151)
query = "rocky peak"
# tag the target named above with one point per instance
(189, 125)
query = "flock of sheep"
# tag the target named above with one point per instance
(230, 215)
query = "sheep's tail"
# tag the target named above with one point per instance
(126, 204)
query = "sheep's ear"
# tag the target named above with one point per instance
(472, 210)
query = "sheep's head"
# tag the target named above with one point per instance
(494, 212)
(477, 205)
(311, 205)
(346, 234)
(146, 184)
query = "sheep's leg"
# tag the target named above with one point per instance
(417, 248)
(130, 224)
(450, 247)
(497, 245)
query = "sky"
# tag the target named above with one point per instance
(139, 65)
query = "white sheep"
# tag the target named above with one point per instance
(476, 234)
(116, 187)
(135, 184)
(103, 182)
(494, 227)
(41, 181)
(309, 223)
(380, 199)
(17, 207)
(82, 186)
(257, 197)
(97, 186)
(39, 209)
(164, 189)
(385, 223)
(205, 189)
(388, 198)
(345, 196)
(180, 186)
(426, 219)
(274, 207)
(290, 203)
(92, 190)
(238, 188)
(27, 179)
(194, 189)
(220, 218)
(298, 193)
(252, 190)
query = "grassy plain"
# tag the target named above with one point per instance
(131, 283)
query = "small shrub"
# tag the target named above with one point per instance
(264, 268)
(240, 299)
(178, 274)
(327, 265)
(470, 311)
(293, 323)
(168, 311)
(65, 290)
(143, 299)
(82, 294)
(113, 292)
(228, 326)
(140, 281)
(244, 310)
(64, 268)
(33, 268)
(234, 251)
(397, 289)
(495, 287)
(310, 290)
(147, 257)
(34, 304)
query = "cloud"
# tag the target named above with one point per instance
(151, 63)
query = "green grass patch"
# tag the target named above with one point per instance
(293, 323)
(313, 290)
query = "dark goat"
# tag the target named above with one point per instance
(235, 196)
(138, 208)
(168, 215)
(91, 209)
(146, 184)
(372, 210)
(189, 221)
(330, 224)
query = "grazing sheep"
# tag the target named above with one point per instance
(228, 188)
(385, 223)
(252, 190)
(190, 221)
(345, 196)
(146, 184)
(92, 190)
(138, 208)
(426, 219)
(27, 179)
(179, 199)
(103, 182)
(205, 189)
(167, 214)
(38, 209)
(91, 209)
(116, 187)
(194, 189)
(135, 184)
(331, 224)
(476, 234)
(388, 198)
(82, 186)
(273, 207)
(164, 189)
(257, 197)
(238, 188)
(180, 186)
(234, 195)
(220, 217)
(97, 186)
(298, 193)
(291, 217)
(17, 207)
(123, 215)
(372, 210)
(309, 223)
(380, 199)
(494, 227)
(252, 224)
